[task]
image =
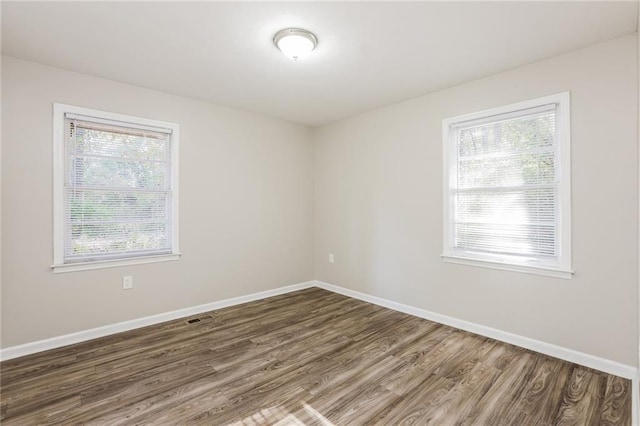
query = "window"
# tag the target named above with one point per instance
(115, 189)
(507, 188)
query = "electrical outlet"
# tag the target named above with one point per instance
(127, 282)
(331, 258)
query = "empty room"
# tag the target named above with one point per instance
(319, 213)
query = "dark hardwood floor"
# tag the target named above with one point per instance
(306, 358)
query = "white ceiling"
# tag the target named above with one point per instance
(369, 54)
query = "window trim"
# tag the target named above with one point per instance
(563, 155)
(59, 112)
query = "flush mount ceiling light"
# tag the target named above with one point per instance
(295, 43)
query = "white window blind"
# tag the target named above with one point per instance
(118, 190)
(505, 187)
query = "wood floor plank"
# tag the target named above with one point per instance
(312, 358)
(43, 417)
(309, 416)
(349, 386)
(347, 364)
(499, 398)
(474, 348)
(140, 388)
(413, 406)
(463, 398)
(276, 403)
(50, 392)
(583, 398)
(358, 409)
(32, 366)
(547, 383)
(425, 363)
(616, 409)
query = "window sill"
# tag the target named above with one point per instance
(74, 267)
(527, 269)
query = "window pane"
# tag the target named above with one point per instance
(117, 192)
(505, 189)
(514, 221)
(107, 221)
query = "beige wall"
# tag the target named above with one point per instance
(246, 207)
(379, 209)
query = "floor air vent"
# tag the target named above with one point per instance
(195, 320)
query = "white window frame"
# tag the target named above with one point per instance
(59, 113)
(559, 269)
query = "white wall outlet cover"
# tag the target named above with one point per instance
(127, 282)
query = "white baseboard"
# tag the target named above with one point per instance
(83, 336)
(591, 361)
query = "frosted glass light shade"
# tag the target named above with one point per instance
(295, 43)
